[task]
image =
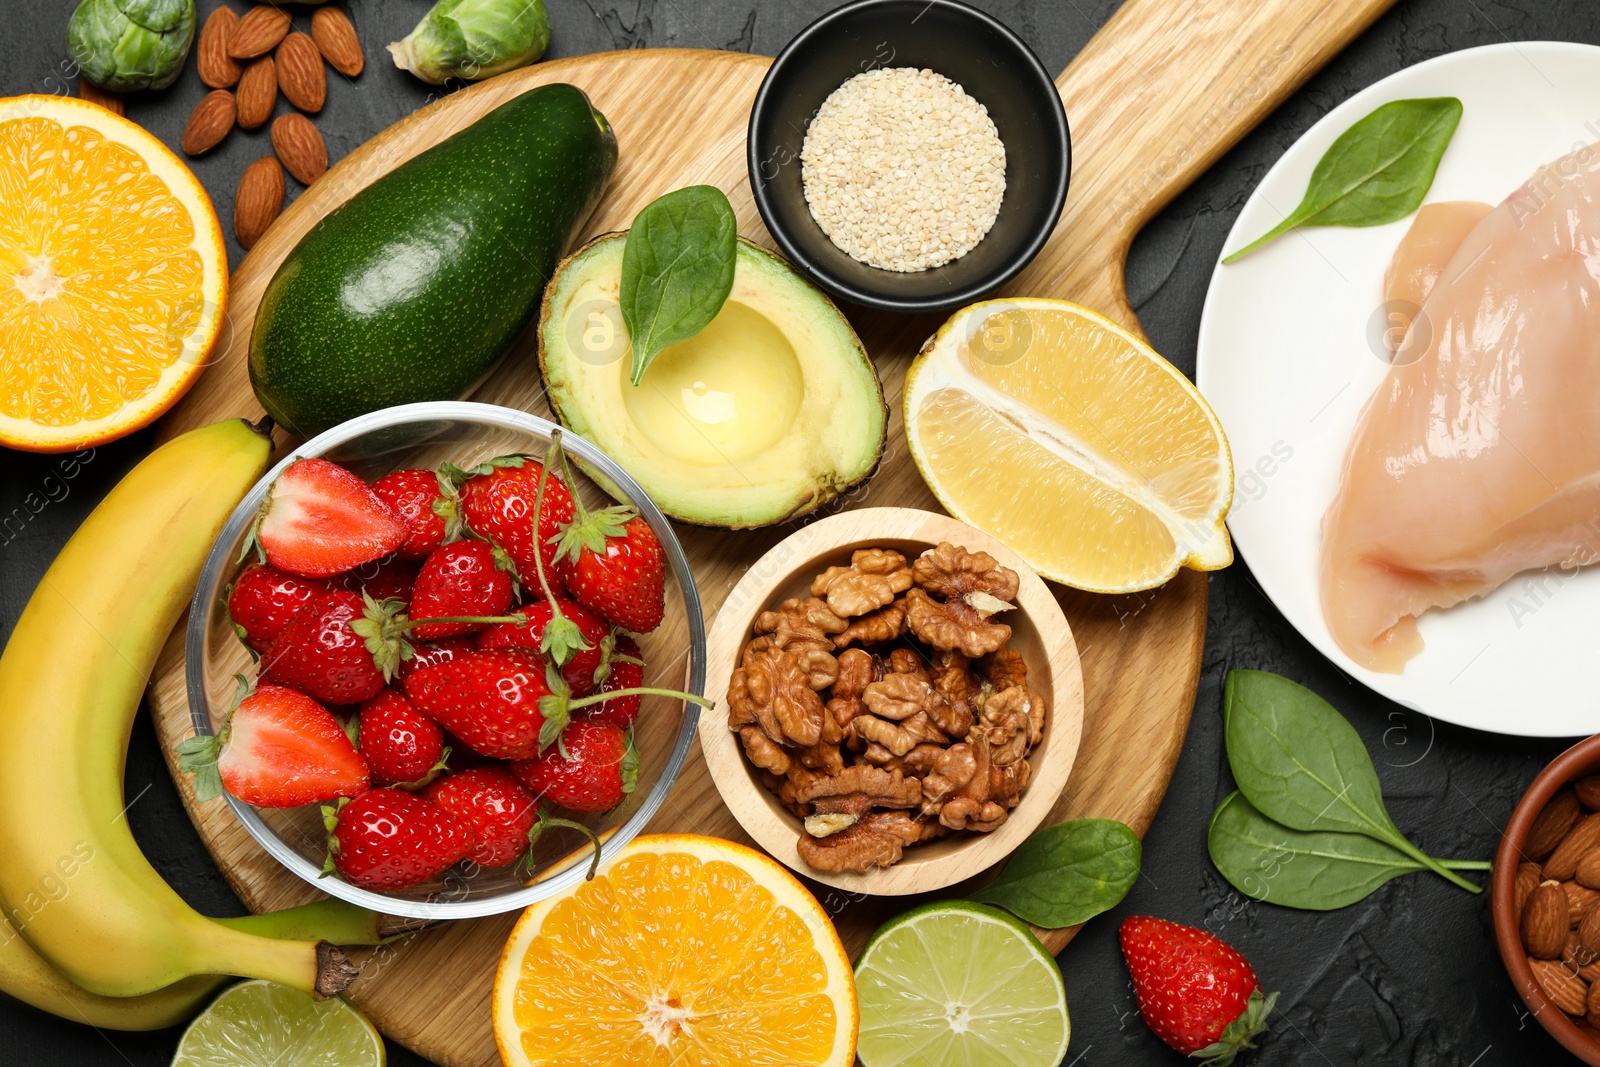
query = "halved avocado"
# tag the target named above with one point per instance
(769, 412)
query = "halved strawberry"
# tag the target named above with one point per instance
(391, 839)
(416, 497)
(579, 665)
(458, 579)
(319, 519)
(494, 804)
(263, 600)
(275, 749)
(401, 745)
(594, 768)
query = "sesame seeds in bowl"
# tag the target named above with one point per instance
(902, 169)
(955, 200)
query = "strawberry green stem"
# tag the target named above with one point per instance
(594, 861)
(488, 619)
(600, 698)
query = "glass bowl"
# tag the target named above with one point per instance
(424, 435)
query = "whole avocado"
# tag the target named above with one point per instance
(416, 286)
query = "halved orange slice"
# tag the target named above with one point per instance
(113, 277)
(1072, 441)
(685, 951)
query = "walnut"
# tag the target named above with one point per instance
(873, 579)
(820, 668)
(1007, 725)
(876, 840)
(771, 690)
(887, 789)
(955, 685)
(898, 696)
(1003, 668)
(962, 788)
(954, 573)
(763, 751)
(905, 661)
(953, 625)
(875, 628)
(800, 622)
(789, 786)
(900, 737)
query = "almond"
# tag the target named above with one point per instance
(258, 200)
(107, 99)
(259, 32)
(210, 121)
(1580, 900)
(1576, 955)
(217, 68)
(1584, 837)
(300, 74)
(1590, 973)
(1528, 876)
(1593, 1014)
(1544, 923)
(336, 39)
(1588, 872)
(1563, 988)
(1588, 790)
(300, 147)
(1588, 934)
(1553, 824)
(258, 92)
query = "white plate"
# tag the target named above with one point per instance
(1287, 359)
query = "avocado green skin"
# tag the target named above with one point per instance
(416, 287)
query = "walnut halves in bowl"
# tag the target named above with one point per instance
(885, 709)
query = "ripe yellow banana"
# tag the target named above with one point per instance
(72, 879)
(25, 975)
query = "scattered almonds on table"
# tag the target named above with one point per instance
(217, 68)
(1554, 897)
(258, 200)
(259, 32)
(902, 169)
(209, 123)
(300, 147)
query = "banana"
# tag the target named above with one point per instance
(26, 976)
(73, 881)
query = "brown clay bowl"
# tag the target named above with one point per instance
(1039, 631)
(1576, 1035)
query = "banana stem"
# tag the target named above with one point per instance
(330, 920)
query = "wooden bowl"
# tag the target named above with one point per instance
(1579, 761)
(1039, 631)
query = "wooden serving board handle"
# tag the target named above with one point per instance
(1156, 97)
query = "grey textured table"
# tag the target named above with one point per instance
(1409, 976)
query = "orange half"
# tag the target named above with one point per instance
(685, 951)
(113, 276)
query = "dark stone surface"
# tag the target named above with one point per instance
(1409, 976)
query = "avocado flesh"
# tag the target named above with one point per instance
(769, 412)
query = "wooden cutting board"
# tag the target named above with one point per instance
(1157, 96)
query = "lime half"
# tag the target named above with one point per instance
(954, 984)
(256, 1023)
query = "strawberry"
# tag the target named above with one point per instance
(593, 769)
(497, 503)
(494, 701)
(1195, 992)
(622, 668)
(460, 578)
(263, 600)
(319, 519)
(402, 745)
(276, 749)
(500, 812)
(391, 577)
(581, 663)
(426, 655)
(320, 654)
(415, 496)
(391, 839)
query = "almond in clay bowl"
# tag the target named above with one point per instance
(1039, 634)
(1564, 797)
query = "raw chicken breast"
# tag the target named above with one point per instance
(1435, 234)
(1481, 457)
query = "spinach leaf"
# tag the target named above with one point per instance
(1301, 763)
(1316, 870)
(677, 269)
(1377, 171)
(1067, 873)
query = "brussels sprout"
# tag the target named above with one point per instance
(474, 39)
(125, 45)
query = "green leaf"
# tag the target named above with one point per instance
(1377, 171)
(1067, 873)
(1315, 871)
(677, 269)
(1302, 764)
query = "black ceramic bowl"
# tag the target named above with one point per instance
(972, 49)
